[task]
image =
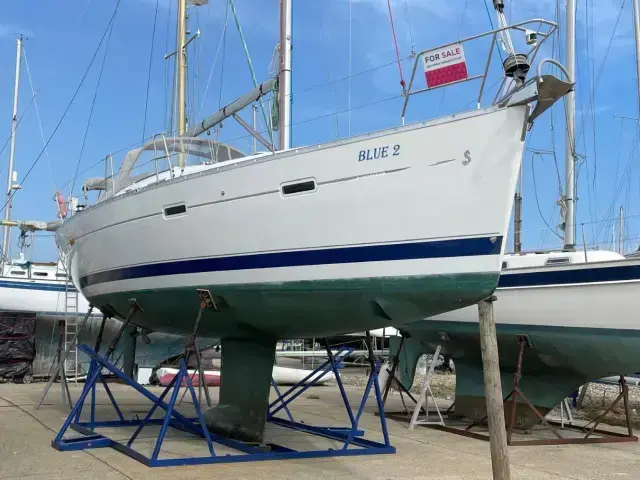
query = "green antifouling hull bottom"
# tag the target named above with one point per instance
(250, 317)
(560, 360)
(245, 382)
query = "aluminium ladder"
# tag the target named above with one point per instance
(70, 330)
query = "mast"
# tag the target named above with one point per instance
(181, 74)
(6, 238)
(284, 113)
(569, 219)
(636, 29)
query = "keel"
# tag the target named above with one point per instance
(247, 366)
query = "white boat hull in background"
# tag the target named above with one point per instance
(38, 296)
(281, 375)
(579, 320)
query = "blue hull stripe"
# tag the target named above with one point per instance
(563, 276)
(50, 287)
(461, 247)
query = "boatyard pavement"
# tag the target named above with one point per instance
(26, 452)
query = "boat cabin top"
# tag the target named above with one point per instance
(543, 259)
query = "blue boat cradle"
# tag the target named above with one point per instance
(351, 437)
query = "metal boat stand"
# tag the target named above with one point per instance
(57, 367)
(134, 307)
(350, 438)
(423, 401)
(190, 347)
(603, 435)
(393, 381)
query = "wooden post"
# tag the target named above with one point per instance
(493, 391)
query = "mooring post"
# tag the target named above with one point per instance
(493, 391)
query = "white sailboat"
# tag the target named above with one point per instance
(577, 310)
(309, 241)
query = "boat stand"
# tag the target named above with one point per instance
(394, 382)
(190, 347)
(57, 367)
(423, 401)
(350, 438)
(603, 435)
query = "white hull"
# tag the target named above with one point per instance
(281, 375)
(37, 296)
(448, 189)
(583, 303)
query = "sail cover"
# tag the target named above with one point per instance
(206, 150)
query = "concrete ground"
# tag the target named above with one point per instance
(26, 452)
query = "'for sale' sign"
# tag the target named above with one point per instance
(445, 65)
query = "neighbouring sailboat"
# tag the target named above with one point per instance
(575, 310)
(395, 225)
(42, 290)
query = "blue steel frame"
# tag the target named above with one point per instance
(351, 436)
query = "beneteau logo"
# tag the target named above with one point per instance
(467, 158)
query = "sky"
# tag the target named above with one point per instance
(345, 82)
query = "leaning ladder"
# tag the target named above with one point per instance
(70, 330)
(423, 400)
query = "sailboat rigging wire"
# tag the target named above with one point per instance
(221, 44)
(93, 102)
(253, 74)
(486, 6)
(606, 53)
(597, 222)
(589, 112)
(68, 107)
(224, 51)
(535, 190)
(73, 27)
(444, 90)
(395, 42)
(35, 103)
(545, 231)
(346, 78)
(242, 137)
(408, 18)
(626, 173)
(625, 177)
(328, 74)
(464, 11)
(20, 117)
(146, 100)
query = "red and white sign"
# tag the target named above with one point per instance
(445, 65)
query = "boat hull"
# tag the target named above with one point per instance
(350, 236)
(580, 320)
(395, 238)
(37, 296)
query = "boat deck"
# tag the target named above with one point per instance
(26, 452)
